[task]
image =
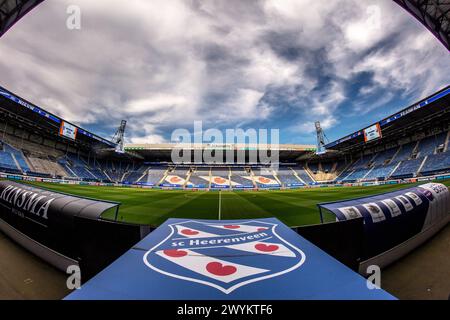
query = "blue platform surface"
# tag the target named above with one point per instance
(260, 259)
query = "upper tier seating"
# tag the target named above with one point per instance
(197, 181)
(436, 163)
(265, 173)
(323, 171)
(427, 146)
(135, 175)
(407, 168)
(288, 177)
(381, 172)
(46, 166)
(406, 151)
(18, 155)
(301, 173)
(314, 167)
(385, 156)
(237, 175)
(78, 166)
(154, 175)
(7, 161)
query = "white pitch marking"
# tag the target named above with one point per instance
(220, 205)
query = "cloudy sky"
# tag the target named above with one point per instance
(162, 64)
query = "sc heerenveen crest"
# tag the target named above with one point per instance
(224, 256)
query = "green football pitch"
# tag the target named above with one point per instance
(153, 207)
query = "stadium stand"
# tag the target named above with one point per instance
(326, 166)
(78, 166)
(314, 167)
(287, 177)
(135, 175)
(154, 176)
(406, 151)
(324, 171)
(46, 166)
(196, 177)
(116, 171)
(380, 172)
(237, 176)
(437, 163)
(31, 145)
(265, 173)
(99, 174)
(303, 175)
(17, 156)
(385, 157)
(220, 172)
(7, 161)
(400, 162)
(428, 146)
(407, 168)
(180, 171)
(358, 170)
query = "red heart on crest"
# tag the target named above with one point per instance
(189, 232)
(174, 253)
(231, 227)
(266, 248)
(219, 269)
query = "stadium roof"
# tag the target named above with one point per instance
(12, 11)
(207, 146)
(33, 116)
(433, 109)
(163, 152)
(433, 14)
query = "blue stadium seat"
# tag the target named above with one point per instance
(384, 156)
(7, 161)
(408, 168)
(237, 177)
(267, 174)
(427, 146)
(327, 166)
(301, 172)
(133, 176)
(18, 154)
(356, 175)
(196, 181)
(406, 151)
(436, 163)
(380, 172)
(288, 178)
(154, 175)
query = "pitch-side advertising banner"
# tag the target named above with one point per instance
(240, 259)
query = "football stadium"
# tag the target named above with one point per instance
(320, 216)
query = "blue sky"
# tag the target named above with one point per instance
(163, 64)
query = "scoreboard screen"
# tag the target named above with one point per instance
(68, 130)
(372, 133)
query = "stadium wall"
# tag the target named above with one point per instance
(395, 223)
(64, 229)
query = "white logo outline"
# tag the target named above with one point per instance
(238, 285)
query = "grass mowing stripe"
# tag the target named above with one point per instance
(147, 206)
(243, 208)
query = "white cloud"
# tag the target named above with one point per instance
(152, 138)
(163, 64)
